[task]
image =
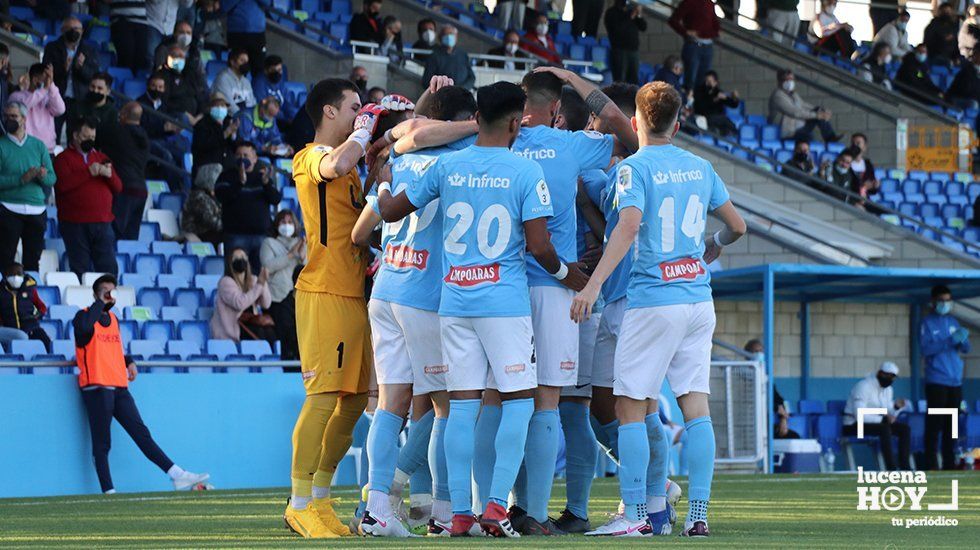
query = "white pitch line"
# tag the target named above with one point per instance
(222, 494)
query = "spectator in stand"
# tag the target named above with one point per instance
(282, 252)
(913, 75)
(510, 14)
(696, 22)
(214, 135)
(200, 219)
(20, 307)
(796, 118)
(44, 103)
(449, 60)
(586, 15)
(539, 43)
(104, 377)
(187, 90)
(367, 25)
(874, 66)
(26, 177)
(240, 292)
(426, 30)
(783, 17)
(969, 31)
(359, 76)
(130, 31)
(271, 83)
(964, 91)
(84, 193)
(839, 175)
(862, 166)
(246, 28)
(182, 38)
(624, 25)
(510, 48)
(781, 429)
(376, 94)
(875, 391)
(802, 161)
(210, 27)
(98, 102)
(896, 34)
(233, 84)
(259, 126)
(166, 141)
(126, 142)
(943, 342)
(6, 76)
(392, 46)
(710, 102)
(672, 72)
(246, 192)
(940, 37)
(882, 12)
(74, 62)
(828, 34)
(161, 15)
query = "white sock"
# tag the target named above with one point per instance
(110, 492)
(175, 471)
(299, 503)
(321, 492)
(442, 510)
(656, 504)
(398, 483)
(378, 504)
(420, 500)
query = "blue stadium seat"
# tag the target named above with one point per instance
(183, 348)
(129, 330)
(917, 430)
(176, 314)
(134, 87)
(149, 264)
(257, 348)
(928, 210)
(183, 266)
(748, 132)
(189, 298)
(140, 313)
(836, 406)
(955, 188)
(52, 327)
(158, 330)
(920, 175)
(911, 186)
(63, 313)
(222, 348)
(153, 297)
(932, 187)
(194, 331)
(199, 249)
(50, 295)
(811, 406)
(171, 201)
(167, 248)
(167, 280)
(212, 265)
(133, 247)
(889, 185)
(65, 348)
(205, 313)
(137, 280)
(827, 430)
(207, 283)
(27, 348)
(800, 425)
(576, 52)
(149, 232)
(123, 262)
(146, 348)
(950, 211)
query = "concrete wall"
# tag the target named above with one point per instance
(22, 54)
(308, 61)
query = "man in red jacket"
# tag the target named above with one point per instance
(696, 22)
(539, 43)
(83, 194)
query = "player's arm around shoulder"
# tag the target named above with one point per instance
(424, 190)
(366, 225)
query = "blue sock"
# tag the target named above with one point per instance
(509, 445)
(520, 488)
(657, 470)
(421, 481)
(483, 453)
(600, 434)
(413, 454)
(382, 449)
(700, 465)
(612, 435)
(543, 440)
(459, 452)
(437, 459)
(581, 454)
(633, 460)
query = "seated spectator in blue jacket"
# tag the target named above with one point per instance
(20, 306)
(964, 91)
(272, 82)
(671, 72)
(258, 125)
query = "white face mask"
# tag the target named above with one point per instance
(184, 40)
(286, 229)
(888, 59)
(15, 281)
(829, 10)
(789, 86)
(842, 169)
(542, 28)
(429, 36)
(510, 48)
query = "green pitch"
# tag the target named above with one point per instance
(816, 511)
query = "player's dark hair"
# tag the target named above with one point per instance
(658, 103)
(623, 95)
(107, 278)
(939, 290)
(574, 109)
(451, 103)
(36, 69)
(541, 87)
(329, 91)
(499, 100)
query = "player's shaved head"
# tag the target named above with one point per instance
(658, 104)
(499, 102)
(541, 88)
(623, 95)
(573, 110)
(452, 103)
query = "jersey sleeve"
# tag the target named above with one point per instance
(311, 162)
(594, 182)
(536, 202)
(426, 188)
(629, 188)
(592, 149)
(462, 143)
(719, 193)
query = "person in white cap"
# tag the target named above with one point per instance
(875, 391)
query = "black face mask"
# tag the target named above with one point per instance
(274, 78)
(94, 97)
(153, 94)
(239, 265)
(243, 69)
(72, 36)
(361, 83)
(86, 145)
(801, 157)
(885, 381)
(11, 125)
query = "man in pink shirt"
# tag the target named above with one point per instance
(44, 102)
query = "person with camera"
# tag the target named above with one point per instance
(246, 192)
(104, 374)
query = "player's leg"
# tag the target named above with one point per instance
(99, 403)
(483, 453)
(301, 516)
(556, 349)
(508, 347)
(440, 523)
(657, 507)
(413, 454)
(603, 405)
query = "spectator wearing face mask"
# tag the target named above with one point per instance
(801, 161)
(21, 308)
(940, 37)
(391, 46)
(259, 126)
(271, 82)
(367, 25)
(200, 219)
(539, 43)
(710, 101)
(828, 34)
(510, 48)
(246, 192)
(98, 104)
(862, 166)
(127, 142)
(84, 194)
(839, 175)
(183, 38)
(359, 76)
(624, 24)
(161, 16)
(874, 67)
(232, 84)
(214, 135)
(426, 30)
(44, 103)
(969, 31)
(913, 75)
(875, 391)
(166, 141)
(796, 118)
(186, 90)
(240, 293)
(246, 28)
(964, 91)
(943, 342)
(449, 60)
(210, 27)
(282, 252)
(896, 35)
(672, 72)
(74, 62)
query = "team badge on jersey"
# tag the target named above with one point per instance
(544, 195)
(624, 178)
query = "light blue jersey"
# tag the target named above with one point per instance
(485, 194)
(595, 183)
(411, 268)
(675, 190)
(615, 286)
(562, 155)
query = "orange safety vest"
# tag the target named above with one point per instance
(101, 361)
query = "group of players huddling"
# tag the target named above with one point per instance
(490, 351)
